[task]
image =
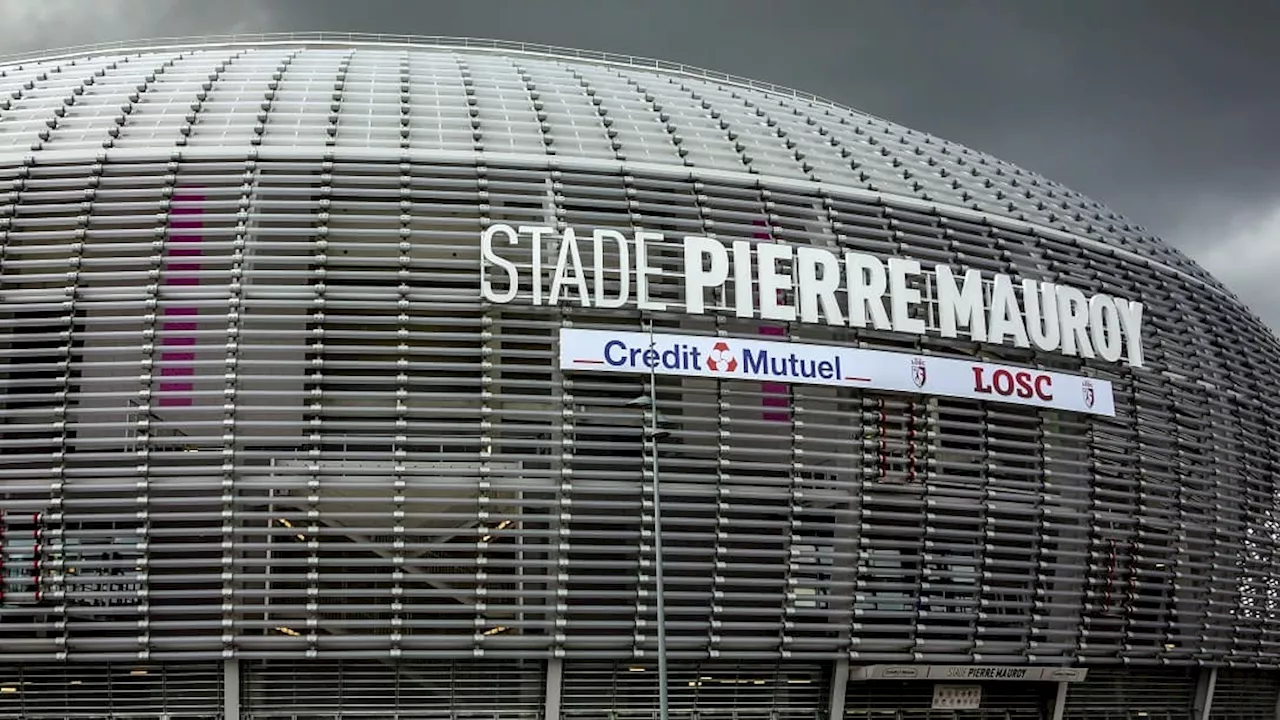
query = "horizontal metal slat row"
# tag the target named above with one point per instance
(907, 700)
(317, 510)
(1124, 693)
(137, 691)
(461, 689)
(708, 690)
(1245, 695)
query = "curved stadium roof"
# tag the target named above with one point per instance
(536, 104)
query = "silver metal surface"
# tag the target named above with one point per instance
(659, 568)
(252, 406)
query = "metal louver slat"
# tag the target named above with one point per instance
(1245, 695)
(1109, 693)
(702, 691)
(307, 334)
(143, 691)
(913, 700)
(510, 690)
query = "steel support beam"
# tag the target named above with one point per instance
(231, 689)
(555, 677)
(1060, 701)
(839, 683)
(1206, 683)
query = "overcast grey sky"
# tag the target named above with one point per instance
(1167, 110)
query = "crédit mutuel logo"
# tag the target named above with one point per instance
(721, 358)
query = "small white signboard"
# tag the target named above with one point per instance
(957, 697)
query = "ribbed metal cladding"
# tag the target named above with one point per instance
(1108, 693)
(712, 689)
(133, 690)
(901, 700)
(411, 689)
(1245, 695)
(252, 404)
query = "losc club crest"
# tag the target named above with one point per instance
(1089, 395)
(919, 373)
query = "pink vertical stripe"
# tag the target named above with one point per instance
(776, 395)
(177, 329)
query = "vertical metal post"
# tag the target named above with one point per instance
(1206, 683)
(1060, 701)
(1277, 713)
(269, 571)
(839, 686)
(660, 603)
(555, 679)
(231, 689)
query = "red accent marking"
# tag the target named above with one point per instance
(884, 444)
(589, 362)
(2, 554)
(1111, 574)
(911, 442)
(776, 395)
(858, 379)
(36, 549)
(183, 247)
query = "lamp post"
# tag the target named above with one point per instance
(652, 433)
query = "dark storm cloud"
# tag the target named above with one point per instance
(1163, 109)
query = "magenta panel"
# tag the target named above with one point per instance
(777, 396)
(178, 324)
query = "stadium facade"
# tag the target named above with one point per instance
(337, 371)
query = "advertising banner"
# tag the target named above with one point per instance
(773, 362)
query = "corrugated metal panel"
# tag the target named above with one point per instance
(1109, 694)
(302, 505)
(1245, 695)
(493, 690)
(703, 691)
(907, 700)
(142, 691)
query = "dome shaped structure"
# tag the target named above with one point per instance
(337, 374)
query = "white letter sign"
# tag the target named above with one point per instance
(807, 283)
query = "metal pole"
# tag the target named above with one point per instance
(231, 688)
(555, 682)
(1060, 701)
(660, 603)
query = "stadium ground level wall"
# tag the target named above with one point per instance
(568, 689)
